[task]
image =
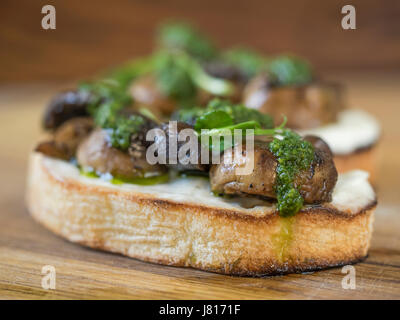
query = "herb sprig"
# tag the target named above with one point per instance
(221, 117)
(248, 61)
(108, 99)
(220, 113)
(289, 70)
(182, 36)
(180, 75)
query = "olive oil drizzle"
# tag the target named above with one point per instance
(283, 240)
(143, 181)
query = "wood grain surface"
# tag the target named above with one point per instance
(81, 273)
(92, 35)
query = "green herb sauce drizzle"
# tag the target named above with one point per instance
(293, 155)
(143, 181)
(283, 239)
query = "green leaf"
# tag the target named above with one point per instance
(290, 70)
(182, 36)
(213, 119)
(173, 76)
(222, 130)
(238, 112)
(127, 72)
(180, 75)
(147, 113)
(188, 115)
(106, 95)
(241, 113)
(273, 131)
(203, 80)
(247, 60)
(227, 130)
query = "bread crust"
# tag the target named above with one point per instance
(170, 232)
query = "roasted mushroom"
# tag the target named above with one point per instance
(305, 106)
(66, 138)
(64, 106)
(96, 153)
(183, 162)
(315, 183)
(147, 93)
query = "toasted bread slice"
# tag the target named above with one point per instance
(181, 223)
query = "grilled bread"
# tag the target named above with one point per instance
(180, 223)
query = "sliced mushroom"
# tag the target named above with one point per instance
(67, 138)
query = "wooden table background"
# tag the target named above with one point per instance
(93, 35)
(25, 247)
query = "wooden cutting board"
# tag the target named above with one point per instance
(82, 273)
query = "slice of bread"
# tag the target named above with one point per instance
(181, 223)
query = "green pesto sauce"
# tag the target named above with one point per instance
(293, 155)
(109, 98)
(283, 239)
(143, 181)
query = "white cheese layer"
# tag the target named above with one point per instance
(351, 194)
(355, 129)
(352, 191)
